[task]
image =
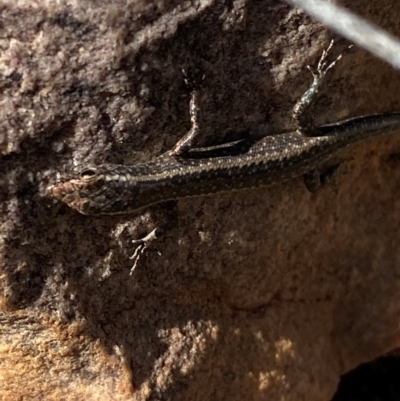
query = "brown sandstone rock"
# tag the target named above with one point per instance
(270, 294)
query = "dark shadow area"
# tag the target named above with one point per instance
(378, 380)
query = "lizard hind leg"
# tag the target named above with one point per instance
(302, 117)
(317, 179)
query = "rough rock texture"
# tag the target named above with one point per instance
(271, 294)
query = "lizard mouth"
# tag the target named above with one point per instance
(71, 193)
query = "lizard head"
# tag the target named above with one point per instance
(92, 192)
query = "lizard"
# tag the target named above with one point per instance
(185, 171)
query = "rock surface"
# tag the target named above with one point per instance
(269, 294)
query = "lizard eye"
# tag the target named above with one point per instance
(87, 172)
